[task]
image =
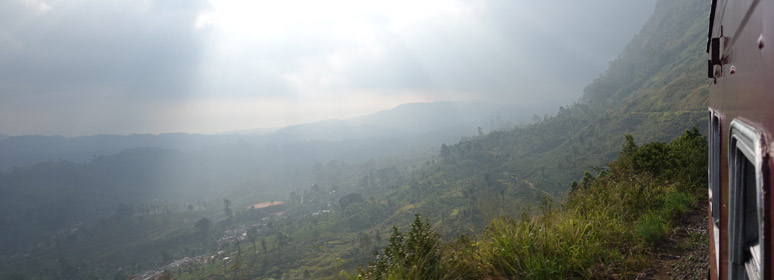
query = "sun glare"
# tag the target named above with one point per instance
(309, 47)
(275, 17)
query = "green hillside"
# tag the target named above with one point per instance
(605, 229)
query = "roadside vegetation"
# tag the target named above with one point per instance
(606, 228)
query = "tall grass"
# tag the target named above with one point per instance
(604, 230)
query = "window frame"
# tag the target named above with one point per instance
(744, 144)
(713, 173)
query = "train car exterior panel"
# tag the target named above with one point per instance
(741, 123)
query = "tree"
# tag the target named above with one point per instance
(203, 227)
(229, 213)
(263, 246)
(252, 235)
(346, 200)
(445, 151)
(366, 245)
(586, 180)
(415, 254)
(629, 147)
(227, 210)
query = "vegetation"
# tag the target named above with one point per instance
(590, 236)
(412, 255)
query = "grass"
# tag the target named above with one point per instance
(591, 236)
(651, 227)
(605, 229)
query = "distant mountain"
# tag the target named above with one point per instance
(3, 136)
(455, 119)
(26, 150)
(253, 131)
(418, 124)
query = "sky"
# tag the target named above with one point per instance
(82, 67)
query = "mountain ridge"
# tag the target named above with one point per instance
(409, 121)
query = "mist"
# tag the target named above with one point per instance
(82, 67)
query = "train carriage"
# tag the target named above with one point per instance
(741, 122)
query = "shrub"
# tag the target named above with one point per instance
(677, 203)
(651, 227)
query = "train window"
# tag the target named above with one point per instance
(714, 182)
(745, 209)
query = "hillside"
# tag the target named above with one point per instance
(654, 91)
(606, 228)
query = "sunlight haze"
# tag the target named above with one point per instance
(87, 67)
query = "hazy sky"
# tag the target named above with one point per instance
(75, 67)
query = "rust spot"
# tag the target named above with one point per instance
(760, 42)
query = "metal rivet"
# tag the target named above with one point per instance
(760, 42)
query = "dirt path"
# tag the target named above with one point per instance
(684, 253)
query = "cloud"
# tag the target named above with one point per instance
(129, 63)
(144, 47)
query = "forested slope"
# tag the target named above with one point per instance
(600, 227)
(654, 90)
(606, 229)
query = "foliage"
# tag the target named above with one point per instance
(651, 227)
(203, 226)
(590, 237)
(412, 255)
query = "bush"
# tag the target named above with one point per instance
(651, 227)
(677, 203)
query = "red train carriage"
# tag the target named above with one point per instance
(741, 139)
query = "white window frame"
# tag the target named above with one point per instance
(745, 141)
